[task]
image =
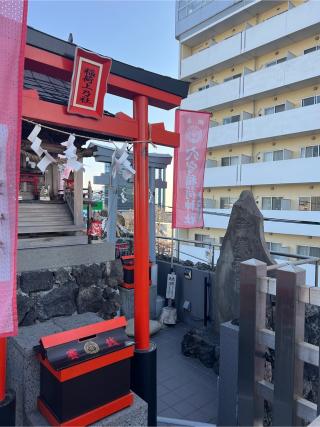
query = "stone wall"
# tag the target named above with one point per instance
(45, 294)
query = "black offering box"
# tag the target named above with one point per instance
(85, 373)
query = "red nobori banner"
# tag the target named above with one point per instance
(189, 164)
(89, 83)
(13, 27)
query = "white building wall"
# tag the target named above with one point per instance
(296, 71)
(301, 120)
(293, 171)
(278, 31)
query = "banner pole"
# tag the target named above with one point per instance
(3, 357)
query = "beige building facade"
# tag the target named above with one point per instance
(255, 65)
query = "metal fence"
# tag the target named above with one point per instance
(165, 246)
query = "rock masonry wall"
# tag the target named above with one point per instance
(44, 294)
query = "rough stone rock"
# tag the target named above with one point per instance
(35, 281)
(57, 302)
(110, 304)
(243, 240)
(312, 324)
(87, 275)
(109, 309)
(89, 299)
(116, 272)
(112, 282)
(26, 311)
(310, 382)
(63, 275)
(103, 269)
(202, 344)
(111, 293)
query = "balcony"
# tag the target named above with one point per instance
(295, 121)
(293, 171)
(268, 81)
(296, 24)
(219, 218)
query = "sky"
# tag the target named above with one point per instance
(139, 33)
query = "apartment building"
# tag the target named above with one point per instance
(255, 65)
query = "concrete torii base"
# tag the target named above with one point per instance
(23, 373)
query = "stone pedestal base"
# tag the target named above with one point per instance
(23, 370)
(127, 302)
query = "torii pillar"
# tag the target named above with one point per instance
(144, 372)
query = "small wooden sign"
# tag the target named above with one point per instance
(89, 83)
(171, 286)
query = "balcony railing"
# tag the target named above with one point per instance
(294, 71)
(301, 120)
(281, 172)
(252, 41)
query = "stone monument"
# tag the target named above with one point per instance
(243, 240)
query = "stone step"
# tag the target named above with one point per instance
(46, 242)
(50, 217)
(45, 209)
(41, 202)
(42, 224)
(45, 219)
(49, 229)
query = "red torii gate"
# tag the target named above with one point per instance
(53, 57)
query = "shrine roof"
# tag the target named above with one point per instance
(49, 88)
(104, 154)
(66, 49)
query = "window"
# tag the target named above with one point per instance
(231, 119)
(227, 202)
(272, 203)
(268, 157)
(315, 203)
(275, 62)
(308, 251)
(311, 49)
(278, 155)
(275, 109)
(273, 156)
(277, 247)
(309, 203)
(188, 7)
(315, 252)
(304, 203)
(236, 76)
(208, 203)
(210, 163)
(311, 100)
(229, 161)
(311, 151)
(203, 88)
(204, 238)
